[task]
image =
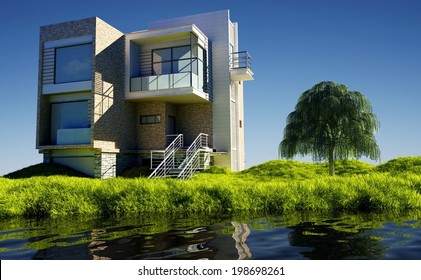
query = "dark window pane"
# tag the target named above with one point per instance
(150, 119)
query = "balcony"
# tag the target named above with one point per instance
(168, 65)
(240, 66)
(184, 87)
(162, 82)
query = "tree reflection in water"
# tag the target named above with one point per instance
(327, 241)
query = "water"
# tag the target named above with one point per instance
(293, 236)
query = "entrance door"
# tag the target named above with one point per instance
(171, 129)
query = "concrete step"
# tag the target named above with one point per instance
(175, 171)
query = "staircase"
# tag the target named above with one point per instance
(181, 163)
(168, 157)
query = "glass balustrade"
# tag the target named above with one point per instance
(165, 81)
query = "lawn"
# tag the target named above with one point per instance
(273, 187)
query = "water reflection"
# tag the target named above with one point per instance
(294, 236)
(327, 242)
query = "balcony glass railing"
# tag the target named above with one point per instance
(240, 60)
(166, 81)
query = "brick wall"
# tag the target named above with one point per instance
(151, 136)
(113, 117)
(193, 119)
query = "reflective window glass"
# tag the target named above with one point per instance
(181, 53)
(73, 64)
(150, 119)
(162, 55)
(162, 68)
(181, 66)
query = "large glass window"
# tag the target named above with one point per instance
(185, 59)
(68, 115)
(171, 60)
(73, 64)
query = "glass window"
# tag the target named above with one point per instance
(181, 53)
(68, 115)
(181, 66)
(178, 61)
(200, 53)
(150, 119)
(194, 66)
(73, 64)
(161, 68)
(162, 55)
(200, 75)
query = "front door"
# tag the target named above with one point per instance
(171, 129)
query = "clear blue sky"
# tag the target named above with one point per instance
(373, 46)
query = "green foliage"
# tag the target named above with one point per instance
(331, 122)
(218, 170)
(274, 187)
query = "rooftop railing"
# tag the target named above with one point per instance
(240, 60)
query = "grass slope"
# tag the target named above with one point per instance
(273, 187)
(43, 169)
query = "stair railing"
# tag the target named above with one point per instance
(192, 161)
(169, 157)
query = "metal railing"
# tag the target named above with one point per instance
(192, 161)
(240, 60)
(191, 166)
(168, 162)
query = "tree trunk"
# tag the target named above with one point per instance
(331, 162)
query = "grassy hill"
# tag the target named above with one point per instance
(43, 169)
(273, 187)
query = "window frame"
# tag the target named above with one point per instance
(71, 46)
(172, 60)
(156, 119)
(59, 122)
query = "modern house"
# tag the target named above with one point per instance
(170, 97)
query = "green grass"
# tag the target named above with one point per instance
(403, 164)
(43, 169)
(273, 187)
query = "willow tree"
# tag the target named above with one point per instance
(331, 122)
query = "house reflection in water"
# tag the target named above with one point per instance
(240, 235)
(197, 243)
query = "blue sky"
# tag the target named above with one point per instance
(372, 46)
